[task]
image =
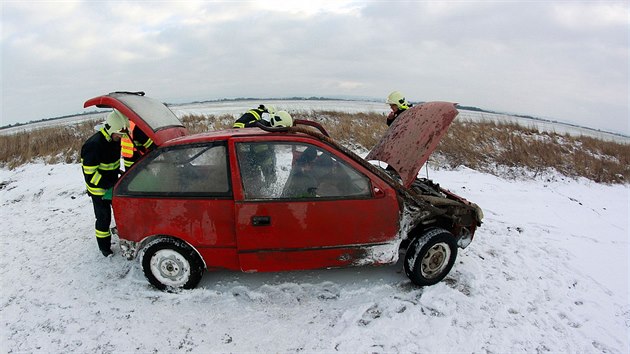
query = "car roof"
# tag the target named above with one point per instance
(226, 134)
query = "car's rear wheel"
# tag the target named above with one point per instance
(170, 264)
(430, 256)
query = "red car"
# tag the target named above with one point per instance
(265, 199)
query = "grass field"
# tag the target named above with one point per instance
(497, 148)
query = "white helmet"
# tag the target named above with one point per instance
(281, 119)
(398, 99)
(116, 123)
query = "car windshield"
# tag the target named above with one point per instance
(153, 112)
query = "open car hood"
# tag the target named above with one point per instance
(156, 120)
(412, 137)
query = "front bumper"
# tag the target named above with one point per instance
(465, 238)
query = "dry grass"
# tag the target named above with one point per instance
(488, 147)
(201, 123)
(49, 145)
(484, 146)
(355, 130)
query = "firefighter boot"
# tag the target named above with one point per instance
(104, 244)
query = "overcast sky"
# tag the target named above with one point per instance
(563, 60)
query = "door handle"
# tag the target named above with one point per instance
(261, 220)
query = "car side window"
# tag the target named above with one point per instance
(194, 170)
(297, 171)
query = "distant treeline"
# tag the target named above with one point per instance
(320, 98)
(477, 109)
(47, 119)
(295, 98)
(312, 98)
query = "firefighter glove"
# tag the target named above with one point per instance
(108, 194)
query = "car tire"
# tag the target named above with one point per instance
(430, 256)
(170, 264)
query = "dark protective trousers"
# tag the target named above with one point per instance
(103, 213)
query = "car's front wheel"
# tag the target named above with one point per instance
(170, 264)
(430, 256)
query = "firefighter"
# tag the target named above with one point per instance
(398, 103)
(302, 183)
(268, 157)
(100, 160)
(135, 145)
(249, 118)
(259, 166)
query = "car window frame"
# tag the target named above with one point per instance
(122, 186)
(303, 141)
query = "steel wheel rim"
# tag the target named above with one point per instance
(435, 260)
(170, 268)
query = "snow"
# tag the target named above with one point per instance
(546, 272)
(237, 107)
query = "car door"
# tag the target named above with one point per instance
(181, 191)
(301, 205)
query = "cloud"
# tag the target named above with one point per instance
(557, 59)
(580, 16)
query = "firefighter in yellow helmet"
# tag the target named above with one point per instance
(251, 117)
(100, 161)
(398, 103)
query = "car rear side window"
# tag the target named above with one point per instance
(297, 171)
(199, 170)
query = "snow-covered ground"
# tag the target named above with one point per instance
(547, 272)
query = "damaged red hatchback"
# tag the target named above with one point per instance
(264, 199)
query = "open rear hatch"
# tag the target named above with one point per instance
(156, 120)
(413, 136)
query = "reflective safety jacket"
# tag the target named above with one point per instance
(126, 147)
(250, 118)
(135, 147)
(100, 160)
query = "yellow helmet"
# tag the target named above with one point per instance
(281, 119)
(116, 123)
(398, 99)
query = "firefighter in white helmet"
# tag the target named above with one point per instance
(100, 160)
